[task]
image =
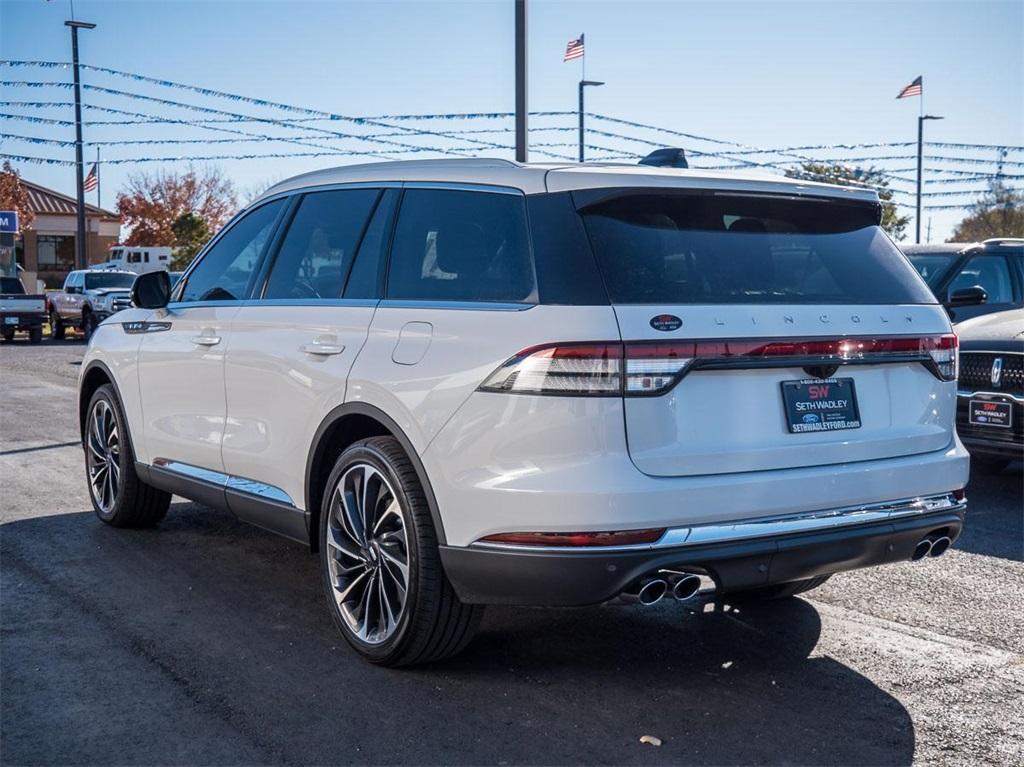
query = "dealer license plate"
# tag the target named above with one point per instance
(985, 413)
(820, 405)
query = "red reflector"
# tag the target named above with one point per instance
(614, 538)
(960, 494)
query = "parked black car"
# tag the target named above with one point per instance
(990, 401)
(973, 279)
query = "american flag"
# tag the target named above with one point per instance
(914, 89)
(574, 50)
(91, 181)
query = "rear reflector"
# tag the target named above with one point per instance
(614, 538)
(640, 368)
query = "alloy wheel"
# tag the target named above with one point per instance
(103, 451)
(368, 553)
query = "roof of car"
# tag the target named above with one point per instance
(538, 178)
(935, 248)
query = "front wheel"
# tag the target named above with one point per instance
(57, 328)
(385, 586)
(118, 496)
(89, 325)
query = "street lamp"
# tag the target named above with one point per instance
(920, 157)
(584, 84)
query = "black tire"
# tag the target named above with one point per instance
(57, 329)
(89, 325)
(989, 466)
(133, 503)
(7, 334)
(433, 623)
(777, 591)
(35, 335)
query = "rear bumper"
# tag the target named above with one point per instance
(534, 576)
(26, 320)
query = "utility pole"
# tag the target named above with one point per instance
(521, 71)
(584, 84)
(81, 260)
(920, 158)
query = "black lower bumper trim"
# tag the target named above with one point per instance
(531, 577)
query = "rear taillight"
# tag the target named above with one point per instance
(568, 369)
(639, 368)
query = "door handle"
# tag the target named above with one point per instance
(322, 349)
(206, 340)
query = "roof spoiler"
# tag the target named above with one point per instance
(669, 157)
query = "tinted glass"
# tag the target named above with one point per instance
(989, 272)
(366, 277)
(461, 246)
(223, 273)
(932, 267)
(10, 285)
(658, 248)
(317, 250)
(94, 280)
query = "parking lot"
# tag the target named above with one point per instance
(205, 641)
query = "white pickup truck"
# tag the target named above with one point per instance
(20, 311)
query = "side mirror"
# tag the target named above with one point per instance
(151, 290)
(968, 296)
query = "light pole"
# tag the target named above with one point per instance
(584, 84)
(521, 103)
(80, 254)
(920, 157)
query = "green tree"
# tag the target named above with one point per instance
(190, 234)
(997, 213)
(833, 173)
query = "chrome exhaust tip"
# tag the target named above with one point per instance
(939, 546)
(686, 587)
(922, 549)
(652, 592)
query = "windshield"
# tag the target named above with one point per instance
(932, 266)
(95, 280)
(684, 248)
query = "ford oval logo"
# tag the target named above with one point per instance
(666, 322)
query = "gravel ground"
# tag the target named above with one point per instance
(206, 642)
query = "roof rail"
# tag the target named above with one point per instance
(1003, 241)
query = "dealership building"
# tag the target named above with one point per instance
(47, 250)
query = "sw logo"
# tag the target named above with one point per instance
(818, 391)
(666, 322)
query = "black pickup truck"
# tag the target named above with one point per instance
(20, 311)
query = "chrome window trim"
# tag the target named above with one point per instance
(455, 186)
(752, 529)
(966, 393)
(484, 306)
(227, 481)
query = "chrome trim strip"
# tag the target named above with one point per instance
(967, 393)
(455, 186)
(482, 306)
(750, 529)
(227, 481)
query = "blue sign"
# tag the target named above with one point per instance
(8, 222)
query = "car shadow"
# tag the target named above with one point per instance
(233, 619)
(995, 521)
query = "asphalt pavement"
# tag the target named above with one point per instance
(206, 641)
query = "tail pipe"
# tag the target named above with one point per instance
(932, 545)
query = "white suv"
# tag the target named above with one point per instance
(473, 381)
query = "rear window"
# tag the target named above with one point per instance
(10, 285)
(461, 246)
(679, 248)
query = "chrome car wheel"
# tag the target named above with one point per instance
(103, 450)
(368, 553)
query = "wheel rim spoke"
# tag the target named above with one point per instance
(103, 456)
(368, 553)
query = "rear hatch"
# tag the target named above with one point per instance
(768, 331)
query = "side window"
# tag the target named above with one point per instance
(990, 272)
(318, 249)
(224, 272)
(461, 246)
(366, 276)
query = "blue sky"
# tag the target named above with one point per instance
(767, 74)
